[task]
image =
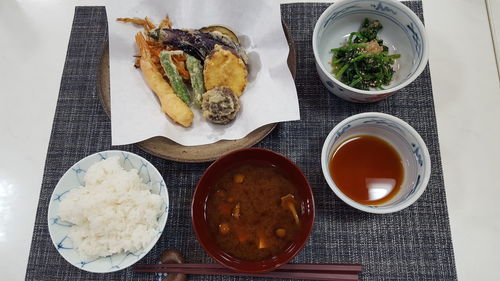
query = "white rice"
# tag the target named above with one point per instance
(114, 212)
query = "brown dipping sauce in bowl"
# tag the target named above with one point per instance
(253, 210)
(367, 169)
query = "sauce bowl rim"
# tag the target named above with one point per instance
(376, 209)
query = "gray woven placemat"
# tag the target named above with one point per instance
(414, 244)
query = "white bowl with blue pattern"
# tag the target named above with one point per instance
(408, 143)
(73, 178)
(402, 32)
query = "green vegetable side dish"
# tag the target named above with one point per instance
(364, 61)
(173, 75)
(195, 70)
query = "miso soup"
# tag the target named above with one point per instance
(253, 211)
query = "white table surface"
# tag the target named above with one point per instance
(34, 38)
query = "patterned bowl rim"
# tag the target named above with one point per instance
(325, 158)
(425, 50)
(160, 229)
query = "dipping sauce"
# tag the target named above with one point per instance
(367, 169)
(253, 211)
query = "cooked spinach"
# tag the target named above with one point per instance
(364, 61)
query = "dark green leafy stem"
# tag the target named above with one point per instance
(364, 62)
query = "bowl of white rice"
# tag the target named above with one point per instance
(108, 211)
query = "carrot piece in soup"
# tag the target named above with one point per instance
(280, 232)
(224, 228)
(238, 178)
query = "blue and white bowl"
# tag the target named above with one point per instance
(402, 32)
(73, 178)
(396, 132)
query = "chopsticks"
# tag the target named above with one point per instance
(331, 271)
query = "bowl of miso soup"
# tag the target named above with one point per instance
(376, 163)
(253, 210)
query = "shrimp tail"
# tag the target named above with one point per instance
(143, 46)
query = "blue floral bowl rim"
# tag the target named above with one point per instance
(325, 157)
(153, 242)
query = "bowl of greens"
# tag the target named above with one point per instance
(366, 50)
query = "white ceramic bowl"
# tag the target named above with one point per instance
(408, 143)
(402, 32)
(73, 178)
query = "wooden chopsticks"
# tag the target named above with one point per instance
(332, 272)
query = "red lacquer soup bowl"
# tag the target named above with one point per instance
(304, 206)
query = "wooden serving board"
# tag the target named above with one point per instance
(170, 150)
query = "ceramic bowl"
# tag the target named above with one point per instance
(215, 171)
(73, 178)
(402, 32)
(407, 142)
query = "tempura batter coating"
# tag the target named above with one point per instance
(220, 105)
(171, 104)
(224, 68)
